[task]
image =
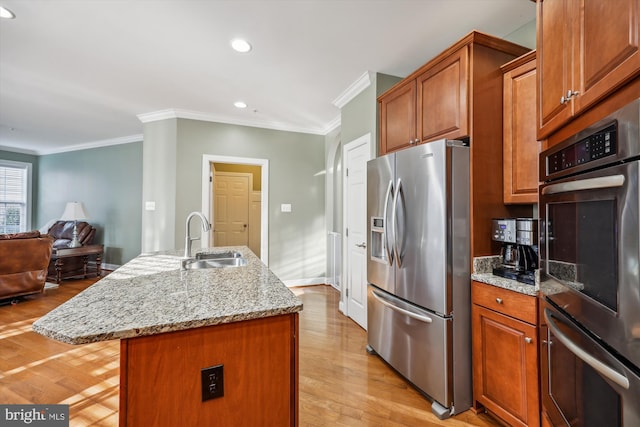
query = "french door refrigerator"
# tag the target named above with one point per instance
(418, 269)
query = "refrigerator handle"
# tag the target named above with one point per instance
(385, 234)
(396, 242)
(417, 316)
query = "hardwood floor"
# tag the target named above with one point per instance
(35, 369)
(340, 384)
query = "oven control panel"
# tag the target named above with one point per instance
(593, 147)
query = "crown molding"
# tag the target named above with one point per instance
(206, 117)
(333, 124)
(18, 150)
(155, 116)
(363, 82)
(94, 144)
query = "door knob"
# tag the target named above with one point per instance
(362, 245)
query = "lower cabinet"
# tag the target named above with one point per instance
(505, 354)
(243, 373)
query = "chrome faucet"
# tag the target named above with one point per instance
(188, 239)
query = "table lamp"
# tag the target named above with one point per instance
(74, 211)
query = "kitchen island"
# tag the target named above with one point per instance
(174, 324)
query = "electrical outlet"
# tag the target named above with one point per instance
(212, 382)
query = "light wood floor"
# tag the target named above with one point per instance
(340, 384)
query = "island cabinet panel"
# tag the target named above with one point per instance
(161, 379)
(520, 145)
(586, 50)
(442, 98)
(398, 113)
(505, 354)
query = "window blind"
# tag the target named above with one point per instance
(13, 199)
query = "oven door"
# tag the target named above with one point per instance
(589, 247)
(583, 385)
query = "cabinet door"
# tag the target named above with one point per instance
(398, 118)
(443, 110)
(586, 50)
(520, 146)
(606, 47)
(505, 367)
(555, 67)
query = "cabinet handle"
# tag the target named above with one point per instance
(417, 141)
(499, 300)
(528, 340)
(564, 99)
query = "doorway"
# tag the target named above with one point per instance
(236, 191)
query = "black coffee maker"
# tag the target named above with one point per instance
(519, 254)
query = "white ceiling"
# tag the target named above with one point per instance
(77, 73)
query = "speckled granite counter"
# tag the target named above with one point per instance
(482, 272)
(151, 295)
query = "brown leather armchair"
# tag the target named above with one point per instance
(24, 258)
(62, 234)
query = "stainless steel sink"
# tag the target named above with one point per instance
(219, 255)
(197, 264)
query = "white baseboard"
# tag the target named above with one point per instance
(305, 282)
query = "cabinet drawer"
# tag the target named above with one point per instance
(514, 304)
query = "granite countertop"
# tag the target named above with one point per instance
(482, 272)
(152, 295)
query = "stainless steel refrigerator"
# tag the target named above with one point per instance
(418, 269)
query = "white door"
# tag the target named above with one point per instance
(356, 155)
(231, 209)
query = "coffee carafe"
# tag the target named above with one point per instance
(518, 256)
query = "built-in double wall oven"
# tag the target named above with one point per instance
(590, 274)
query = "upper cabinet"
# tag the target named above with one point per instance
(443, 110)
(586, 49)
(520, 145)
(398, 118)
(435, 101)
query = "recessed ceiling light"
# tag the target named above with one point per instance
(6, 13)
(240, 104)
(240, 45)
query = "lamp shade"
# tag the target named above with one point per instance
(74, 211)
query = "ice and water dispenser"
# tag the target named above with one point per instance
(377, 245)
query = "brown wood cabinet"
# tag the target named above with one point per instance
(443, 110)
(586, 50)
(520, 144)
(505, 354)
(435, 101)
(260, 381)
(398, 118)
(458, 94)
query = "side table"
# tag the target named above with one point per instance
(58, 255)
